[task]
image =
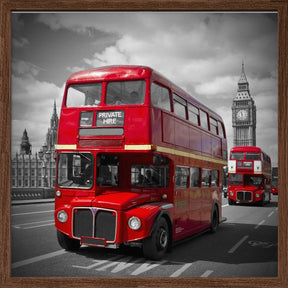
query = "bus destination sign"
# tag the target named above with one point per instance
(110, 118)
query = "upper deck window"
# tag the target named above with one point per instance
(84, 95)
(125, 92)
(220, 130)
(252, 156)
(179, 106)
(213, 125)
(204, 120)
(160, 97)
(237, 156)
(193, 114)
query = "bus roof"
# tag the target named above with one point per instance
(130, 72)
(245, 149)
(252, 149)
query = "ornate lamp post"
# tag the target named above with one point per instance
(45, 155)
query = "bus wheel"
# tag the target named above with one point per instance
(262, 201)
(155, 246)
(67, 243)
(230, 201)
(214, 221)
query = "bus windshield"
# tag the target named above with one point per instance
(253, 180)
(75, 170)
(79, 95)
(235, 179)
(125, 92)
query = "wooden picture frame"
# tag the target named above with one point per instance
(8, 6)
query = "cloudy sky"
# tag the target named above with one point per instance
(201, 52)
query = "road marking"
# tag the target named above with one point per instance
(236, 246)
(31, 213)
(225, 205)
(271, 214)
(120, 265)
(98, 262)
(37, 259)
(32, 224)
(178, 272)
(259, 224)
(37, 226)
(207, 273)
(146, 267)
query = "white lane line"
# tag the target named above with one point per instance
(271, 214)
(259, 224)
(31, 213)
(37, 226)
(236, 246)
(178, 272)
(225, 205)
(32, 224)
(37, 259)
(207, 273)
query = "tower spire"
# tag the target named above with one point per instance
(243, 79)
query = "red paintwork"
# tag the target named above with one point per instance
(190, 209)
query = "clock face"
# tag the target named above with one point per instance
(242, 115)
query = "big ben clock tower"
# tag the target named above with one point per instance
(243, 115)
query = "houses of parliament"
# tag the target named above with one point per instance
(38, 170)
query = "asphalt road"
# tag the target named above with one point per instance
(244, 246)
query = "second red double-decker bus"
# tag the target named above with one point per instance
(249, 176)
(274, 188)
(139, 162)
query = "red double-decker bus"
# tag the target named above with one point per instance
(139, 162)
(249, 176)
(274, 188)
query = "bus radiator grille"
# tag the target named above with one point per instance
(83, 223)
(100, 224)
(244, 195)
(105, 225)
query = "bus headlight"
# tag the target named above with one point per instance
(231, 193)
(62, 216)
(257, 195)
(134, 223)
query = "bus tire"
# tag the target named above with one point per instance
(155, 246)
(67, 243)
(230, 201)
(262, 201)
(214, 220)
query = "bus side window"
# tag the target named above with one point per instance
(181, 177)
(213, 126)
(160, 97)
(220, 130)
(179, 106)
(206, 176)
(215, 178)
(193, 113)
(195, 177)
(204, 119)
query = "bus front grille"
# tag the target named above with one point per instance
(95, 223)
(244, 195)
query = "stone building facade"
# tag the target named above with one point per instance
(38, 170)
